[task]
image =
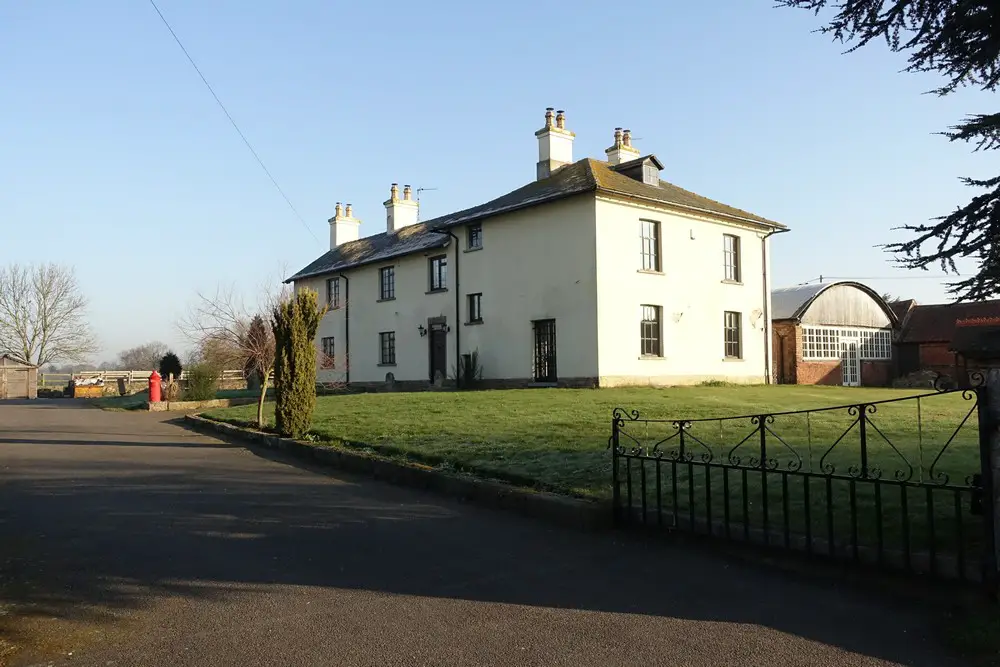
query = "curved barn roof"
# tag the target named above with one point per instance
(791, 303)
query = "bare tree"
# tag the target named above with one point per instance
(43, 314)
(232, 333)
(142, 357)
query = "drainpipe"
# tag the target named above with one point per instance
(458, 317)
(767, 315)
(347, 327)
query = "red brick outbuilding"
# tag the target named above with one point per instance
(836, 333)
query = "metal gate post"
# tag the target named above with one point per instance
(988, 404)
(615, 492)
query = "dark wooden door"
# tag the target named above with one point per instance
(544, 359)
(439, 351)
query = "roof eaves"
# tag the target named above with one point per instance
(763, 222)
(475, 217)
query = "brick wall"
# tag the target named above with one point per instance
(819, 372)
(876, 373)
(787, 341)
(936, 354)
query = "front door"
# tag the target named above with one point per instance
(849, 364)
(438, 351)
(544, 361)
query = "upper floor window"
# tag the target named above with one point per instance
(731, 257)
(650, 233)
(475, 236)
(439, 273)
(650, 332)
(733, 335)
(387, 282)
(333, 292)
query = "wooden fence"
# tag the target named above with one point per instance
(59, 380)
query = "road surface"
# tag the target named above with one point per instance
(128, 540)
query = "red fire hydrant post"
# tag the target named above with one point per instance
(154, 387)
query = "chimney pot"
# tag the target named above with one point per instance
(548, 116)
(407, 192)
(627, 138)
(561, 119)
(348, 211)
(339, 210)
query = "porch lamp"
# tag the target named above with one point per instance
(422, 330)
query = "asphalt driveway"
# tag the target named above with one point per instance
(127, 540)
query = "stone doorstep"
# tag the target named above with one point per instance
(561, 510)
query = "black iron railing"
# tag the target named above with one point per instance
(896, 483)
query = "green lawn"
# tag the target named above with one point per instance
(558, 437)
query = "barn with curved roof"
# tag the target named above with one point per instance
(837, 333)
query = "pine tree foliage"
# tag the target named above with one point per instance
(295, 322)
(959, 40)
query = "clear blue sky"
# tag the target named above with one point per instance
(117, 160)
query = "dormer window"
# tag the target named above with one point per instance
(650, 174)
(646, 170)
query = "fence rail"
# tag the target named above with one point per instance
(62, 379)
(895, 483)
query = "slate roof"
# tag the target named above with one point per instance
(587, 175)
(935, 323)
(791, 303)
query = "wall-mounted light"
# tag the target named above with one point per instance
(422, 330)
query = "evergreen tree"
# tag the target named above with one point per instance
(295, 323)
(170, 363)
(960, 40)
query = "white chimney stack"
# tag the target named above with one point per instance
(622, 150)
(555, 144)
(343, 227)
(400, 213)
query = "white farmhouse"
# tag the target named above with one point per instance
(597, 273)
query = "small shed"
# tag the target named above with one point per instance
(837, 333)
(18, 379)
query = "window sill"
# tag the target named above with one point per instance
(436, 291)
(391, 298)
(732, 359)
(651, 357)
(732, 282)
(473, 323)
(331, 308)
(650, 272)
(392, 364)
(473, 249)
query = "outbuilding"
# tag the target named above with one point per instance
(834, 333)
(18, 379)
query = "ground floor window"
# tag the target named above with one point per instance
(387, 344)
(733, 335)
(326, 358)
(649, 332)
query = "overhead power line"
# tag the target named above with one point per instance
(825, 278)
(233, 122)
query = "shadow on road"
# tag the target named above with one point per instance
(83, 532)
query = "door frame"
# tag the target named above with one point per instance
(439, 323)
(850, 360)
